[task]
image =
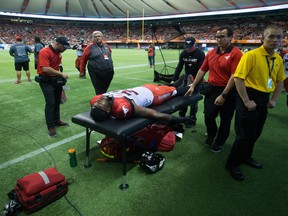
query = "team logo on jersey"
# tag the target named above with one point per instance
(125, 110)
(190, 60)
(227, 57)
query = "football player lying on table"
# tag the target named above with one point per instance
(133, 102)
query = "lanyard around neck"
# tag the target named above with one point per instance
(100, 49)
(268, 64)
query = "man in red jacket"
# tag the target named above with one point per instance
(100, 64)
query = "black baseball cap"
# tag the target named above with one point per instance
(37, 39)
(189, 42)
(98, 114)
(64, 41)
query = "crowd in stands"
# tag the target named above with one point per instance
(249, 30)
(244, 30)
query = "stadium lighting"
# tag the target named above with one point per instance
(211, 13)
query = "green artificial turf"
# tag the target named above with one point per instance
(193, 181)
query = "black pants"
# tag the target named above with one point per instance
(52, 97)
(101, 80)
(194, 106)
(226, 111)
(248, 126)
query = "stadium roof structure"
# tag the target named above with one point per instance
(109, 10)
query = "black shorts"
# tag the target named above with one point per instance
(24, 65)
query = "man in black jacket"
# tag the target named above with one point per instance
(192, 57)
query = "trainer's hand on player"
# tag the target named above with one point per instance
(190, 91)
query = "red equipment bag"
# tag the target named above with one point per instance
(38, 190)
(155, 137)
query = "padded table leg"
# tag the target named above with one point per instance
(88, 133)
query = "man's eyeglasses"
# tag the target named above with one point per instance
(220, 37)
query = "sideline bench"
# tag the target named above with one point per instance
(122, 129)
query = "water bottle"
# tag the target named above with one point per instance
(72, 157)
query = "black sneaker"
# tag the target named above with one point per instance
(235, 172)
(189, 122)
(61, 124)
(209, 141)
(52, 132)
(216, 148)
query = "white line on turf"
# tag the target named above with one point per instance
(36, 152)
(72, 71)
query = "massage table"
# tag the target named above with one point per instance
(121, 130)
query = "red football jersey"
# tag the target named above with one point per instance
(146, 95)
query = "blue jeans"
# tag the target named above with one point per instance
(151, 62)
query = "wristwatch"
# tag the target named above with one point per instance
(224, 95)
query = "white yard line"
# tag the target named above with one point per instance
(39, 151)
(74, 72)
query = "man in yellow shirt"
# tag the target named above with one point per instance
(259, 73)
